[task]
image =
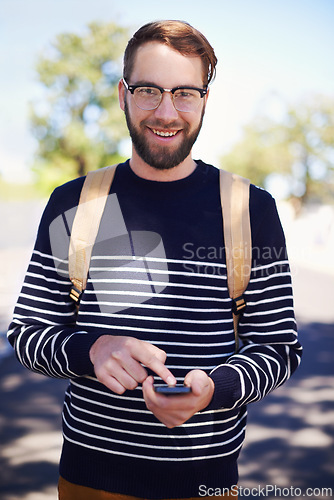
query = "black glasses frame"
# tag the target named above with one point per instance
(132, 88)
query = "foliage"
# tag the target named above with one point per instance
(298, 149)
(77, 122)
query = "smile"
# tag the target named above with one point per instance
(164, 134)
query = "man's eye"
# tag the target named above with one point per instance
(185, 93)
(147, 91)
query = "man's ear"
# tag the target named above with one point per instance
(121, 94)
(207, 96)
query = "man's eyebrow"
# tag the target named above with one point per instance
(145, 83)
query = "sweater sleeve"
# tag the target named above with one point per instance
(43, 331)
(270, 350)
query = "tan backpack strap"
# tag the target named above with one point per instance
(86, 224)
(234, 194)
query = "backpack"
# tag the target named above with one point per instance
(234, 195)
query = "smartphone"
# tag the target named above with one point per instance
(172, 390)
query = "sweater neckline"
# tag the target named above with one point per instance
(188, 182)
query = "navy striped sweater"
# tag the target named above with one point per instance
(157, 273)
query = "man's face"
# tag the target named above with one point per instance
(163, 137)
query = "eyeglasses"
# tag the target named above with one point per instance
(148, 97)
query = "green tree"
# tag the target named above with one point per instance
(299, 148)
(77, 121)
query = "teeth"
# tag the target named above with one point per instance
(164, 134)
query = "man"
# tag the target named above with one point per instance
(156, 307)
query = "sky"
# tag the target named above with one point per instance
(268, 52)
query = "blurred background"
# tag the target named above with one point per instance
(270, 117)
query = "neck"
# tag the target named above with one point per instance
(145, 171)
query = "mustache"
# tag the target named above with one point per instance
(161, 125)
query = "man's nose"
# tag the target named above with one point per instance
(166, 109)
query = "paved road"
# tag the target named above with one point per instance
(290, 438)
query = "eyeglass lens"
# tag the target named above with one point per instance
(184, 99)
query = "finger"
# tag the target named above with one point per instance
(156, 403)
(197, 380)
(129, 365)
(162, 371)
(123, 377)
(154, 359)
(112, 384)
(159, 353)
(113, 371)
(148, 386)
(149, 392)
(160, 401)
(169, 410)
(153, 398)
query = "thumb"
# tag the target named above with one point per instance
(197, 380)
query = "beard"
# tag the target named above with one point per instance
(163, 158)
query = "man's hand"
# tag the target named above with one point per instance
(175, 410)
(118, 362)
